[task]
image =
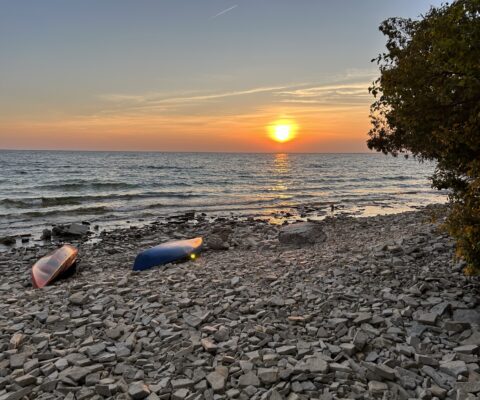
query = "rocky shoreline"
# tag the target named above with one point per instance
(376, 307)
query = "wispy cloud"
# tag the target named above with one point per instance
(339, 93)
(225, 11)
(225, 94)
(353, 88)
(349, 92)
(161, 102)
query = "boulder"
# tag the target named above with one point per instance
(215, 242)
(74, 229)
(46, 234)
(300, 234)
(7, 240)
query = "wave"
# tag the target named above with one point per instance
(39, 202)
(81, 185)
(170, 167)
(76, 200)
(255, 201)
(74, 211)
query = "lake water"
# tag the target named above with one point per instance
(40, 188)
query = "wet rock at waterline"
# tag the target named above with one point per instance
(71, 230)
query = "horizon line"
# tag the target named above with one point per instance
(189, 152)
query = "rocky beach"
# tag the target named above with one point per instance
(359, 308)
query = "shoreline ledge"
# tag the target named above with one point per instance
(377, 308)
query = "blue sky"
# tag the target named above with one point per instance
(72, 66)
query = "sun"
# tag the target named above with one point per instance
(282, 131)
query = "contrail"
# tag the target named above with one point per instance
(225, 11)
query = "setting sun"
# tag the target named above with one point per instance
(282, 131)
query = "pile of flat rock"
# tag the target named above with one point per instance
(367, 308)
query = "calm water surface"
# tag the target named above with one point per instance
(40, 188)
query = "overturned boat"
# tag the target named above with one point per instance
(179, 250)
(50, 267)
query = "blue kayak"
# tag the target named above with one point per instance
(165, 253)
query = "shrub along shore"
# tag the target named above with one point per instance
(373, 307)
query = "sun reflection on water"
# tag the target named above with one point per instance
(281, 163)
(280, 173)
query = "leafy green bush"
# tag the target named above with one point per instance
(427, 104)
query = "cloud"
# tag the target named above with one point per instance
(339, 93)
(163, 102)
(347, 92)
(226, 94)
(225, 11)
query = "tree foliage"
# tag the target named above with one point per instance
(427, 103)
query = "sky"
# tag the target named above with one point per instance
(190, 75)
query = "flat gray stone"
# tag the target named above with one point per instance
(17, 395)
(138, 391)
(181, 394)
(454, 368)
(77, 374)
(383, 371)
(456, 326)
(216, 381)
(268, 375)
(26, 380)
(427, 318)
(17, 360)
(376, 387)
(78, 298)
(467, 349)
(192, 320)
(182, 383)
(362, 318)
(95, 349)
(301, 234)
(469, 387)
(286, 350)
(348, 348)
(474, 338)
(316, 365)
(426, 360)
(441, 379)
(360, 339)
(248, 379)
(466, 315)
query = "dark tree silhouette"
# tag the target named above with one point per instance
(427, 104)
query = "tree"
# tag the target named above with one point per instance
(427, 104)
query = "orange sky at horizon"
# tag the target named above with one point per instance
(323, 133)
(185, 123)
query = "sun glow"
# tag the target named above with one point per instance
(282, 131)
